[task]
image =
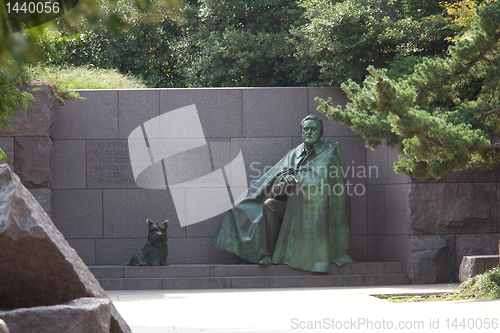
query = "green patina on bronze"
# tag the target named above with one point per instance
(298, 213)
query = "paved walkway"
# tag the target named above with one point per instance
(336, 309)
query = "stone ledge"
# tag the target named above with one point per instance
(246, 276)
(475, 265)
(211, 270)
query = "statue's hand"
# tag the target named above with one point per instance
(279, 188)
(285, 186)
(290, 180)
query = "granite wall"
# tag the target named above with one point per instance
(101, 212)
(449, 218)
(28, 145)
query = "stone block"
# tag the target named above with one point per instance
(79, 315)
(108, 164)
(358, 247)
(475, 175)
(476, 244)
(377, 163)
(39, 117)
(475, 265)
(358, 215)
(96, 117)
(375, 198)
(353, 160)
(206, 228)
(115, 251)
(380, 248)
(400, 247)
(273, 112)
(197, 283)
(68, 164)
(393, 177)
(107, 271)
(85, 249)
(44, 198)
(219, 109)
(32, 161)
(38, 266)
(195, 251)
(452, 208)
(288, 281)
(375, 280)
(78, 213)
(7, 145)
(170, 271)
(272, 270)
(136, 107)
(431, 259)
(260, 154)
(125, 213)
(396, 209)
(369, 268)
(131, 284)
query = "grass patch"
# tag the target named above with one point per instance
(480, 287)
(63, 80)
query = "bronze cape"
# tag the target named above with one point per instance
(315, 229)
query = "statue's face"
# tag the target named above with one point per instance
(311, 132)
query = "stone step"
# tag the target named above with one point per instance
(246, 276)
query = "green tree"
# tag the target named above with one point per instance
(17, 49)
(342, 38)
(240, 43)
(142, 48)
(445, 115)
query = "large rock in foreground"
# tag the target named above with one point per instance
(80, 315)
(37, 265)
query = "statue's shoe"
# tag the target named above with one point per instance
(266, 261)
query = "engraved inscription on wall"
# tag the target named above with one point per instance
(108, 164)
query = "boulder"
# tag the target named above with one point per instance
(475, 265)
(32, 161)
(39, 118)
(3, 327)
(475, 245)
(80, 315)
(437, 208)
(38, 266)
(431, 259)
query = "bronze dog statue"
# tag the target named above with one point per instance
(155, 251)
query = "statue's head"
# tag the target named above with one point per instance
(312, 129)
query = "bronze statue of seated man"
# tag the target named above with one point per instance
(298, 213)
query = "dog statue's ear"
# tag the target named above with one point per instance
(165, 223)
(149, 222)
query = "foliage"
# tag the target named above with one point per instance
(445, 115)
(22, 47)
(239, 43)
(63, 80)
(479, 287)
(486, 285)
(343, 38)
(141, 48)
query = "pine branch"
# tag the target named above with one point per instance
(466, 69)
(430, 140)
(487, 114)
